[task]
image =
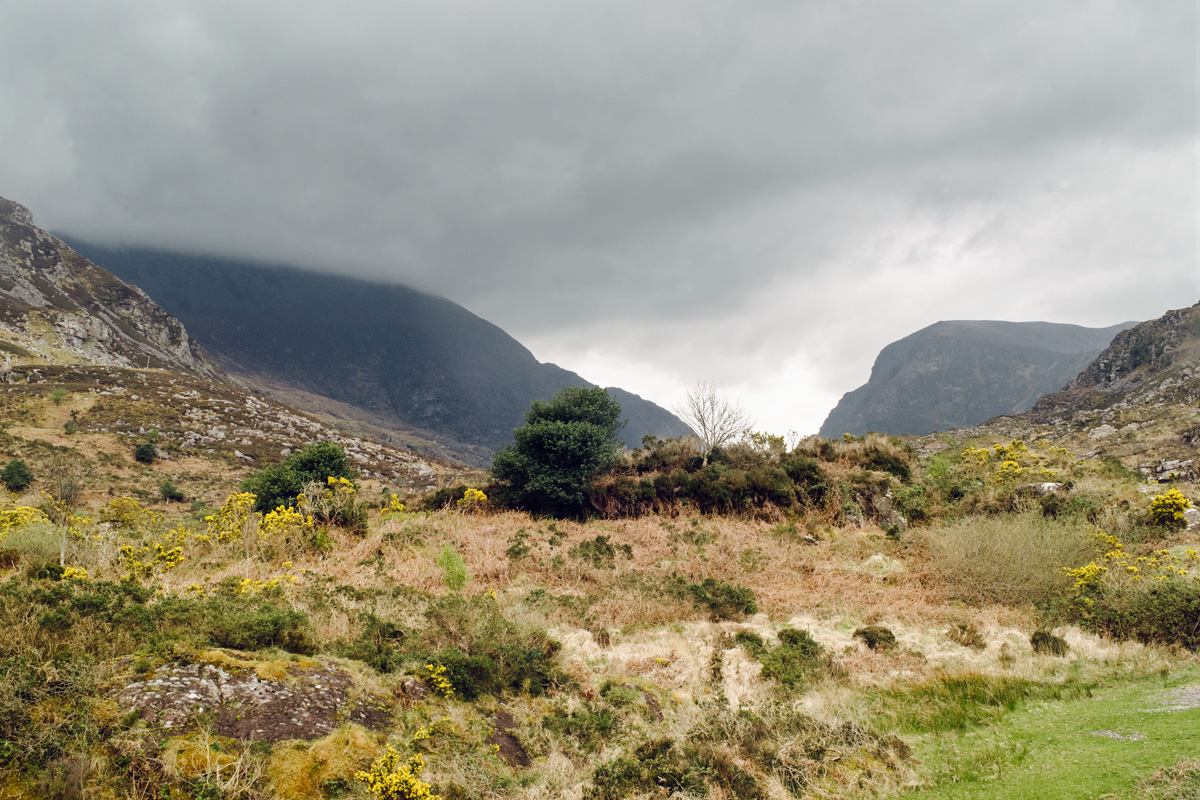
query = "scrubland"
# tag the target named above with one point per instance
(827, 619)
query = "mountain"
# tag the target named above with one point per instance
(56, 307)
(403, 360)
(956, 374)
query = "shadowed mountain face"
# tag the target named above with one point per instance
(408, 359)
(958, 374)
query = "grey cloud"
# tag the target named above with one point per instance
(629, 168)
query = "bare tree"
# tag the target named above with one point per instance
(715, 419)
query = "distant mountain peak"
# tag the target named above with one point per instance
(959, 373)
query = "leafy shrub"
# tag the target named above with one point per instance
(599, 552)
(482, 651)
(966, 635)
(882, 461)
(720, 598)
(656, 766)
(454, 569)
(565, 444)
(145, 453)
(254, 625)
(280, 484)
(589, 726)
(1157, 612)
(794, 661)
(443, 498)
(16, 475)
(751, 642)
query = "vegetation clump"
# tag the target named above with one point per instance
(876, 637)
(145, 453)
(1167, 509)
(1046, 643)
(720, 598)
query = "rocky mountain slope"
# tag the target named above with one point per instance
(56, 307)
(1150, 364)
(956, 374)
(404, 360)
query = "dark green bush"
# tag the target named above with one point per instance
(16, 475)
(887, 462)
(483, 652)
(170, 492)
(751, 642)
(255, 625)
(122, 617)
(279, 484)
(566, 443)
(599, 552)
(794, 662)
(145, 453)
(444, 498)
(657, 767)
(1046, 643)
(589, 726)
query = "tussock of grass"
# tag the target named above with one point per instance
(1014, 559)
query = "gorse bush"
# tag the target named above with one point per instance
(474, 647)
(795, 662)
(1167, 509)
(722, 599)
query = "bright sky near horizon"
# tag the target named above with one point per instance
(761, 194)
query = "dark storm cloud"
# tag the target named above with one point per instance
(707, 188)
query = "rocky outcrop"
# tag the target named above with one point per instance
(57, 307)
(1155, 362)
(307, 702)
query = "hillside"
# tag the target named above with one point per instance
(957, 374)
(56, 307)
(412, 362)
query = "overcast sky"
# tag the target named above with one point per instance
(763, 194)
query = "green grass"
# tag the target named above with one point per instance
(1053, 749)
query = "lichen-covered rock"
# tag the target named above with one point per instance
(306, 700)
